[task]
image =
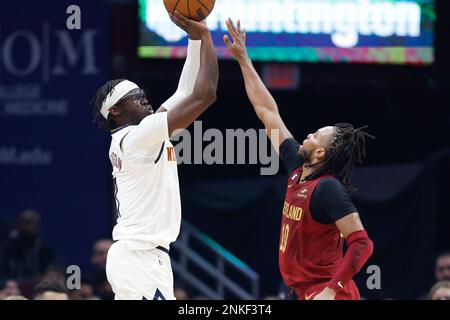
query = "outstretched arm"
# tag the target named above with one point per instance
(264, 104)
(185, 110)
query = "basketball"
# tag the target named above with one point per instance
(193, 9)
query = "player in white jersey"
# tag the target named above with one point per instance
(145, 169)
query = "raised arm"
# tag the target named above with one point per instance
(264, 104)
(183, 111)
(188, 76)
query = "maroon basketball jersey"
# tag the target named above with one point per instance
(309, 251)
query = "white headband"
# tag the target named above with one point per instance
(117, 93)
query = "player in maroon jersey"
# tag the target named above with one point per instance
(318, 213)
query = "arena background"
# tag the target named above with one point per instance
(54, 160)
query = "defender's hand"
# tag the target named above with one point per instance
(196, 30)
(238, 47)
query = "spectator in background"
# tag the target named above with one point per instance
(24, 254)
(441, 271)
(99, 254)
(180, 293)
(8, 288)
(50, 289)
(102, 288)
(86, 292)
(442, 268)
(440, 291)
(53, 273)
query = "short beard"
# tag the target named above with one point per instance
(136, 120)
(306, 156)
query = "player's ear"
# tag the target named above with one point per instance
(114, 111)
(321, 153)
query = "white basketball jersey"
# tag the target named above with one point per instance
(146, 183)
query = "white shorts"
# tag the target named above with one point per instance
(138, 273)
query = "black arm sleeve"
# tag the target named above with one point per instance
(330, 201)
(289, 154)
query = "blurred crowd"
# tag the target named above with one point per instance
(29, 269)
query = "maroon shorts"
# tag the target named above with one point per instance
(308, 292)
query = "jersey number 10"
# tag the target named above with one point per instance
(284, 237)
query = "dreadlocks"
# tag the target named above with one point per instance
(347, 149)
(97, 101)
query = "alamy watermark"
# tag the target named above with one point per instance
(229, 147)
(373, 282)
(73, 277)
(73, 281)
(73, 22)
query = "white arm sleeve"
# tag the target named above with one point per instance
(188, 75)
(152, 130)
